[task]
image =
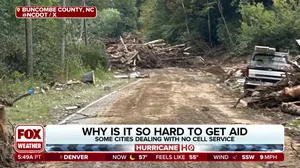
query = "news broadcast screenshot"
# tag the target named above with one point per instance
(149, 84)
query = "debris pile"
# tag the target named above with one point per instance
(130, 53)
(232, 77)
(58, 86)
(284, 94)
(235, 78)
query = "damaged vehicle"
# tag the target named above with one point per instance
(267, 67)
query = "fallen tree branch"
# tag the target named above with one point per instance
(246, 94)
(123, 43)
(19, 98)
(154, 41)
(132, 57)
(290, 108)
(10, 104)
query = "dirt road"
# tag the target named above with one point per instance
(172, 96)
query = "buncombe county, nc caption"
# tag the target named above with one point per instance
(52, 9)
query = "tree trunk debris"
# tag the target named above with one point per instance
(128, 53)
(291, 108)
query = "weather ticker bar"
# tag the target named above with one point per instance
(150, 157)
(149, 143)
(43, 12)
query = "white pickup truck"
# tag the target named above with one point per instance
(266, 67)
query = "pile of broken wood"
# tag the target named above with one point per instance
(129, 53)
(285, 94)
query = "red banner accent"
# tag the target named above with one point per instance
(154, 157)
(56, 12)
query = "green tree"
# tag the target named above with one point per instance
(146, 16)
(107, 25)
(128, 11)
(196, 22)
(277, 28)
(63, 40)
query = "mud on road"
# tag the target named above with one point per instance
(172, 96)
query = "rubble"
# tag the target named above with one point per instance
(59, 86)
(284, 94)
(129, 53)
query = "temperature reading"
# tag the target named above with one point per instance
(193, 157)
(261, 157)
(142, 157)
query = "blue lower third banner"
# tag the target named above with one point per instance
(164, 147)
